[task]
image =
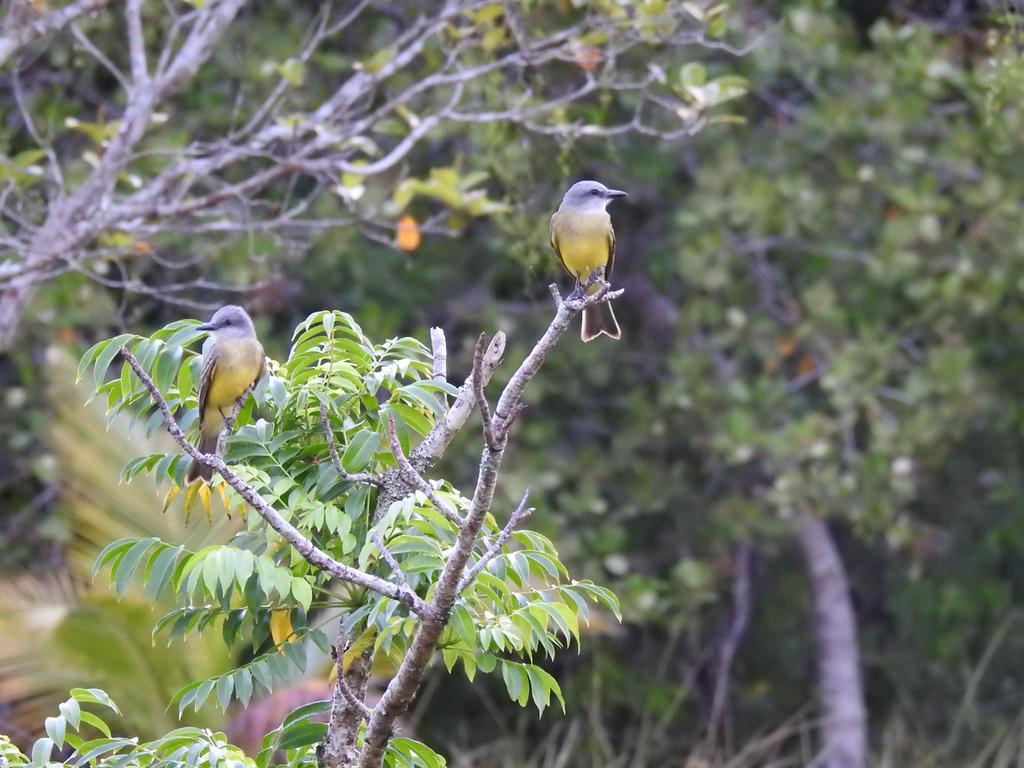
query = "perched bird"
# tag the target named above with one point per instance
(233, 361)
(583, 238)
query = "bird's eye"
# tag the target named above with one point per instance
(227, 322)
(595, 192)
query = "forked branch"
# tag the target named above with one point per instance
(490, 438)
(454, 576)
(332, 447)
(408, 471)
(518, 516)
(313, 554)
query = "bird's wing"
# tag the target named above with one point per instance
(611, 252)
(206, 377)
(554, 241)
(263, 367)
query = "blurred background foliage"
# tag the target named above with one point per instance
(823, 310)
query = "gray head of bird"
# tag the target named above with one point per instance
(589, 196)
(229, 320)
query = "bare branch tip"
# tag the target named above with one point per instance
(496, 349)
(439, 350)
(556, 294)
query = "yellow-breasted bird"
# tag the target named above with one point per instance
(583, 237)
(233, 361)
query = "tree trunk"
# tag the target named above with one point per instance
(844, 718)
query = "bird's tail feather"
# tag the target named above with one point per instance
(207, 444)
(599, 319)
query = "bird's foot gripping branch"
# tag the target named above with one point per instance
(341, 531)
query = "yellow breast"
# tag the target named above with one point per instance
(582, 240)
(238, 365)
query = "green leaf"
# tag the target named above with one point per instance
(542, 685)
(360, 450)
(72, 712)
(167, 367)
(515, 680)
(261, 671)
(462, 623)
(424, 396)
(420, 754)
(97, 747)
(106, 355)
(96, 722)
(124, 568)
(203, 692)
(302, 734)
(225, 686)
(692, 74)
(41, 752)
(109, 552)
(304, 712)
(55, 729)
(243, 686)
(296, 653)
(302, 592)
(160, 570)
(94, 696)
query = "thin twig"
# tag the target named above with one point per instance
(350, 697)
(518, 516)
(314, 555)
(490, 438)
(37, 27)
(439, 348)
(741, 598)
(339, 681)
(416, 479)
(389, 558)
(217, 183)
(351, 477)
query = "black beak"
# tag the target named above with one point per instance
(206, 327)
(613, 193)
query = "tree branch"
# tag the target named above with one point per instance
(844, 721)
(136, 44)
(403, 686)
(313, 555)
(350, 697)
(490, 438)
(441, 436)
(389, 558)
(216, 184)
(198, 46)
(416, 479)
(16, 34)
(518, 516)
(568, 308)
(741, 599)
(439, 348)
(356, 477)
